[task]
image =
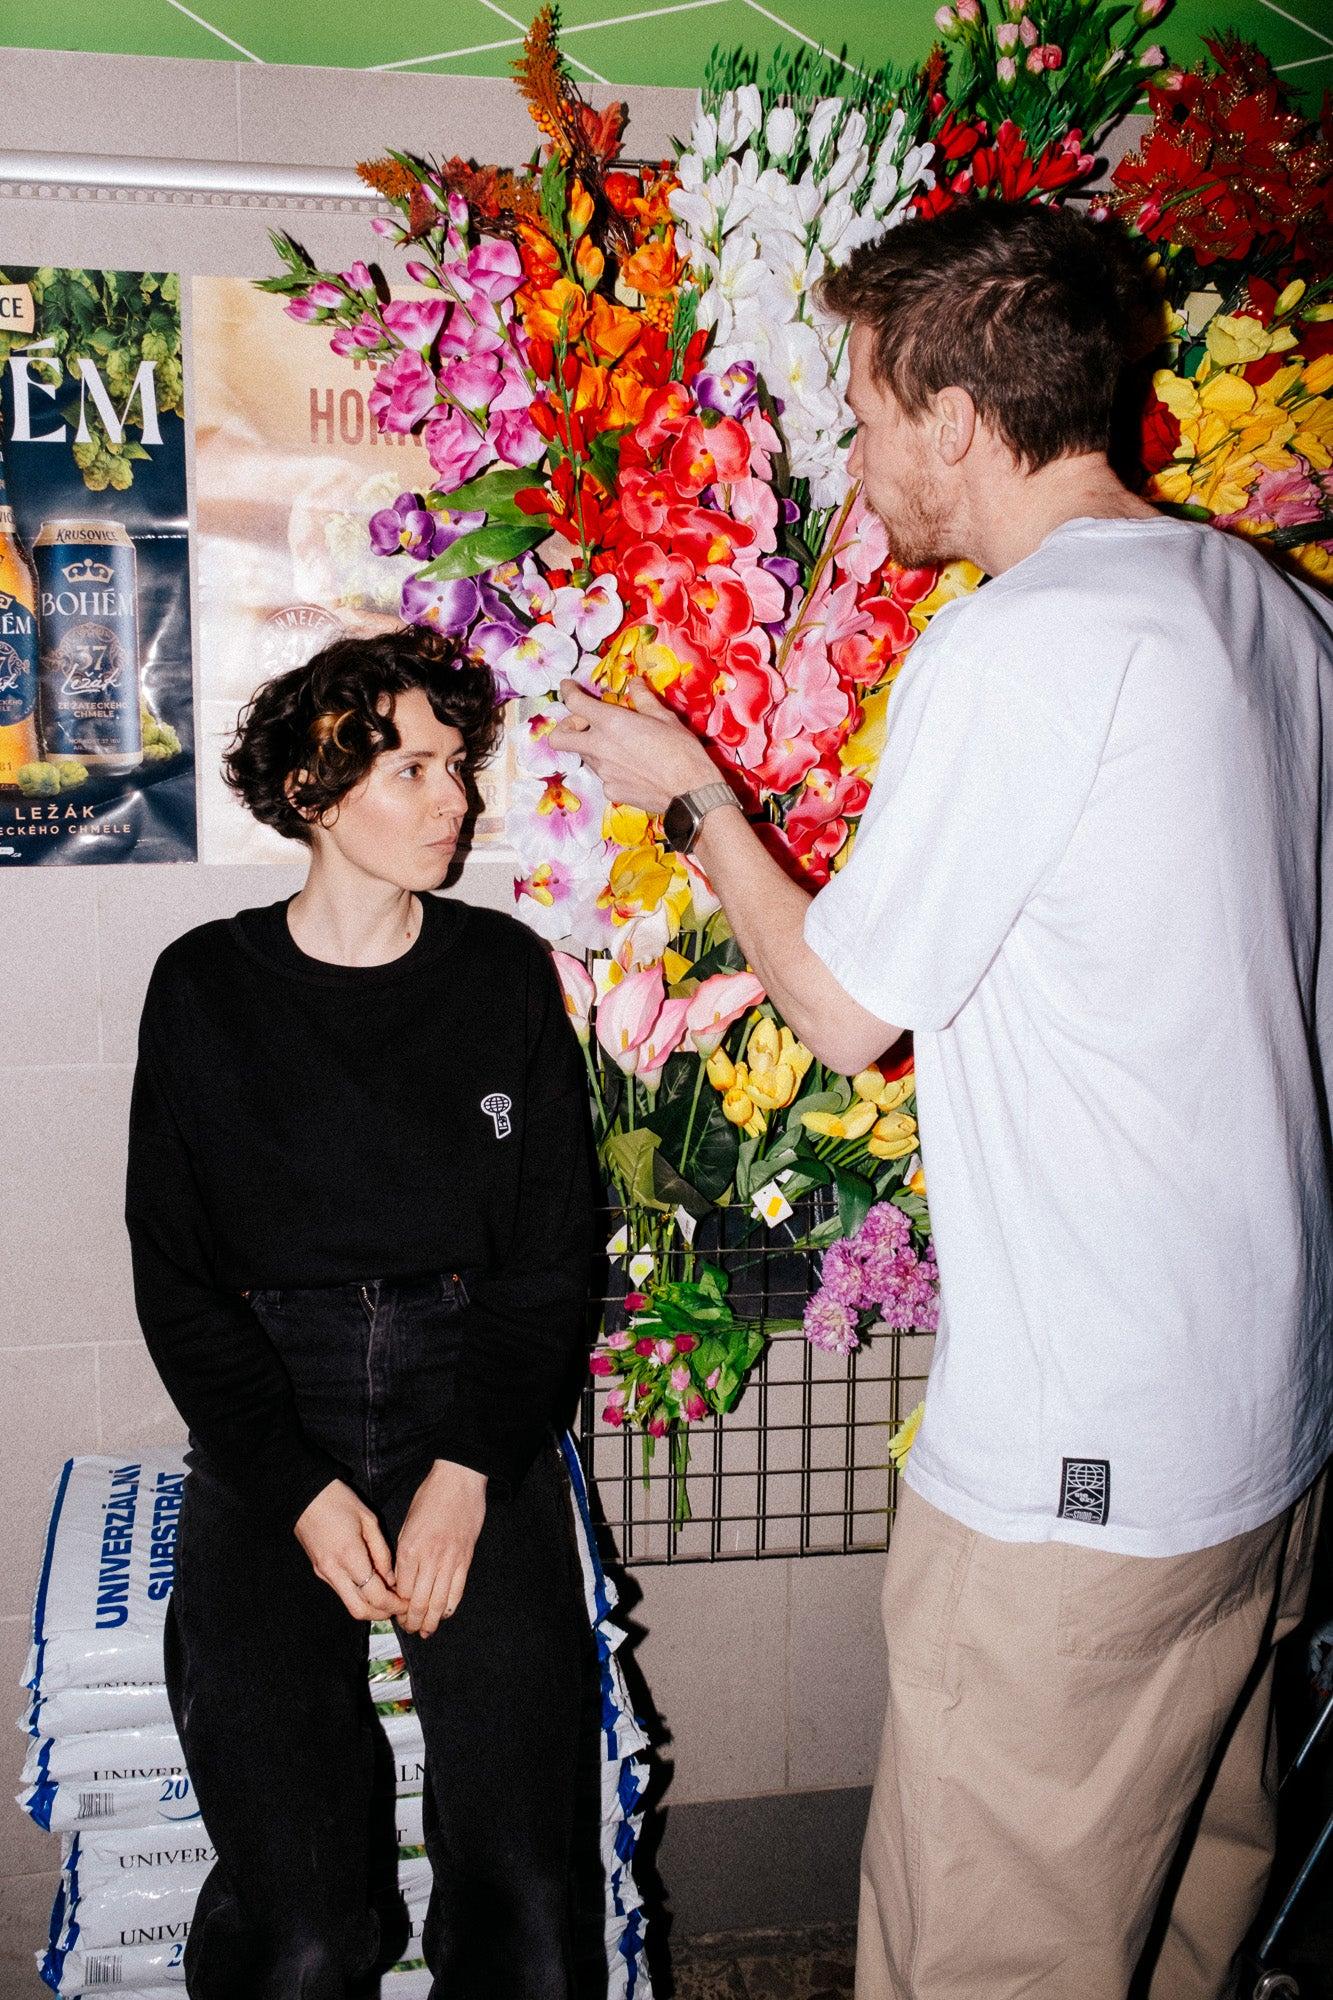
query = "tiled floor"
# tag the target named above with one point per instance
(817, 1964)
(813, 1964)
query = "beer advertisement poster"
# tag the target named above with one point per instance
(289, 468)
(96, 687)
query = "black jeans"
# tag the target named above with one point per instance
(268, 1683)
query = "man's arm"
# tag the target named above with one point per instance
(645, 757)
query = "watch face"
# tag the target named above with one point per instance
(677, 823)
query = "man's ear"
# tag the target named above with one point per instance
(954, 417)
(309, 814)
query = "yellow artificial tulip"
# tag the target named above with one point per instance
(885, 1096)
(916, 1183)
(721, 1070)
(740, 1108)
(1234, 340)
(1289, 298)
(853, 1123)
(894, 1136)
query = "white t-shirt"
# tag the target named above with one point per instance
(1090, 878)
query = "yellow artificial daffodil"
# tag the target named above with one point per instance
(1234, 340)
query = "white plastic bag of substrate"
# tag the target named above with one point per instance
(160, 1961)
(106, 1572)
(115, 1854)
(81, 1711)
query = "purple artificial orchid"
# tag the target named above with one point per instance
(733, 393)
(449, 604)
(406, 528)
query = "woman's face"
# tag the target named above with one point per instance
(401, 823)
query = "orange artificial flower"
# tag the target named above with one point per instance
(562, 306)
(580, 209)
(589, 262)
(612, 330)
(653, 270)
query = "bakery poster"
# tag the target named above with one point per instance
(289, 468)
(96, 717)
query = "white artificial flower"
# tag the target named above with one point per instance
(749, 112)
(822, 121)
(780, 131)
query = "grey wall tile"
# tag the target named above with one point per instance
(24, 1848)
(155, 107)
(25, 1914)
(713, 1654)
(137, 1413)
(838, 1671)
(49, 1397)
(321, 117)
(63, 1254)
(51, 995)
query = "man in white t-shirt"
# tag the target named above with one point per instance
(1090, 880)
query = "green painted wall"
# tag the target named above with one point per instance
(615, 43)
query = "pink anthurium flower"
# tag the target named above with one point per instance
(626, 1016)
(576, 983)
(721, 999)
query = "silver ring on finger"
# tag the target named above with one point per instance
(361, 1586)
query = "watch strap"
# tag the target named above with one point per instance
(703, 801)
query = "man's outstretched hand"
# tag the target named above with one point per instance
(644, 755)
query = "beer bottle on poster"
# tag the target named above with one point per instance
(90, 644)
(18, 648)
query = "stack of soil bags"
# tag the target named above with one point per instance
(104, 1768)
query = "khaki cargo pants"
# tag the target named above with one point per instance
(1076, 1743)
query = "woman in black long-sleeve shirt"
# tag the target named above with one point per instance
(360, 1210)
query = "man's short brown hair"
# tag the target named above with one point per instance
(1031, 309)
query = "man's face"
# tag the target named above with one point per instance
(895, 460)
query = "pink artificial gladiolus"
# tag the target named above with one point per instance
(358, 276)
(714, 1379)
(515, 437)
(686, 1343)
(384, 225)
(422, 274)
(635, 1301)
(1029, 33)
(614, 1411)
(601, 1364)
(968, 10)
(326, 295)
(402, 392)
(680, 1378)
(470, 379)
(721, 999)
(415, 322)
(694, 1408)
(662, 1041)
(664, 1351)
(580, 993)
(303, 309)
(656, 1427)
(456, 448)
(620, 1340)
(349, 338)
(494, 269)
(644, 1346)
(626, 1015)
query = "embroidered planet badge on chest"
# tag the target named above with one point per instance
(497, 1108)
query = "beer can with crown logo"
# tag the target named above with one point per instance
(90, 644)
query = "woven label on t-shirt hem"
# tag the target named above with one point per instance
(1085, 1490)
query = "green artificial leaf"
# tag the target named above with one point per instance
(674, 1192)
(630, 1158)
(855, 1197)
(493, 493)
(714, 1141)
(604, 454)
(483, 549)
(725, 956)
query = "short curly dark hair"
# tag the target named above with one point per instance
(318, 729)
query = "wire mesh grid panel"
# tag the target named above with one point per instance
(800, 1466)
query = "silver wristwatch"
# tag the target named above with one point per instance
(687, 811)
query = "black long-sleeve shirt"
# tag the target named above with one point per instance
(297, 1123)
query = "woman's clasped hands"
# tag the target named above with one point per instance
(425, 1584)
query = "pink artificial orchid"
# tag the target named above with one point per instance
(576, 983)
(719, 1001)
(626, 1016)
